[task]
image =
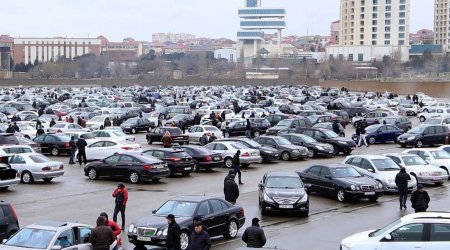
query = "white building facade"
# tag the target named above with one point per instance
(441, 23)
(226, 53)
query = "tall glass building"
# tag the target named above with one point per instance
(254, 19)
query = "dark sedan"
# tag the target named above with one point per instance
(285, 148)
(177, 160)
(53, 144)
(275, 118)
(187, 119)
(156, 135)
(219, 216)
(329, 126)
(341, 181)
(203, 158)
(300, 122)
(381, 133)
(268, 154)
(134, 167)
(314, 147)
(135, 125)
(283, 192)
(239, 128)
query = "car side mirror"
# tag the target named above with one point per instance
(56, 247)
(323, 137)
(260, 185)
(370, 170)
(328, 177)
(153, 211)
(388, 237)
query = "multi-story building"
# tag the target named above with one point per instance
(254, 20)
(374, 22)
(334, 32)
(27, 50)
(172, 37)
(441, 23)
(6, 47)
(127, 50)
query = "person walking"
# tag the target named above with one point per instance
(254, 235)
(362, 136)
(121, 198)
(223, 128)
(401, 180)
(52, 122)
(231, 190)
(40, 131)
(102, 236)
(248, 129)
(223, 115)
(173, 233)
(420, 199)
(73, 149)
(167, 140)
(336, 126)
(237, 166)
(199, 239)
(81, 145)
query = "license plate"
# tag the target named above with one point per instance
(142, 238)
(286, 206)
(187, 168)
(217, 158)
(402, 141)
(55, 167)
(369, 193)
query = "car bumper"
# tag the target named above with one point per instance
(431, 179)
(251, 159)
(393, 188)
(180, 139)
(299, 155)
(182, 168)
(150, 175)
(10, 182)
(403, 142)
(365, 194)
(270, 156)
(324, 152)
(53, 174)
(152, 240)
(297, 207)
(210, 165)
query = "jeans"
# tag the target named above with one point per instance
(402, 196)
(248, 134)
(81, 156)
(237, 171)
(119, 208)
(72, 156)
(362, 137)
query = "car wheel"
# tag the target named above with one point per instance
(446, 170)
(335, 150)
(27, 177)
(342, 134)
(311, 153)
(149, 141)
(55, 151)
(372, 140)
(419, 143)
(422, 119)
(156, 179)
(184, 240)
(134, 177)
(285, 156)
(186, 173)
(232, 229)
(425, 110)
(256, 134)
(92, 174)
(133, 131)
(47, 180)
(373, 198)
(228, 162)
(341, 195)
(347, 151)
(27, 136)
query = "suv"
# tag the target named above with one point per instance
(430, 230)
(424, 135)
(9, 223)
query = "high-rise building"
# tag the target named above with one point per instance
(254, 20)
(375, 22)
(441, 23)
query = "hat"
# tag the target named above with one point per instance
(255, 220)
(198, 223)
(403, 169)
(230, 172)
(170, 217)
(120, 185)
(419, 186)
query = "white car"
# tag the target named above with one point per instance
(436, 157)
(64, 127)
(439, 120)
(114, 134)
(419, 168)
(97, 121)
(434, 112)
(26, 131)
(15, 149)
(104, 148)
(229, 148)
(407, 232)
(34, 166)
(195, 132)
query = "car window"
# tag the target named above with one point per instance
(439, 130)
(355, 161)
(314, 170)
(325, 172)
(158, 154)
(440, 232)
(109, 144)
(220, 146)
(408, 233)
(216, 206)
(17, 159)
(50, 139)
(429, 130)
(85, 234)
(210, 146)
(126, 158)
(97, 145)
(365, 164)
(396, 159)
(422, 154)
(112, 159)
(309, 133)
(203, 208)
(65, 239)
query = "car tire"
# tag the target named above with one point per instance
(92, 174)
(228, 162)
(347, 151)
(418, 144)
(26, 177)
(55, 151)
(372, 140)
(373, 198)
(232, 229)
(156, 179)
(184, 240)
(422, 119)
(47, 180)
(134, 177)
(133, 131)
(311, 153)
(27, 136)
(341, 195)
(285, 156)
(446, 170)
(342, 134)
(149, 141)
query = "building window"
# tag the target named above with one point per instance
(387, 22)
(387, 36)
(402, 7)
(402, 15)
(387, 15)
(387, 42)
(388, 1)
(401, 35)
(374, 22)
(374, 29)
(401, 42)
(388, 8)
(387, 29)
(375, 2)
(374, 42)
(402, 22)
(360, 57)
(401, 28)
(374, 15)
(374, 36)
(350, 57)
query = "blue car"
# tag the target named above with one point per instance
(381, 133)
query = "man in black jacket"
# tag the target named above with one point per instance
(230, 172)
(231, 190)
(336, 127)
(254, 236)
(237, 165)
(81, 145)
(420, 199)
(173, 233)
(401, 180)
(199, 238)
(248, 129)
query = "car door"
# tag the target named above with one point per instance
(208, 219)
(221, 149)
(382, 133)
(95, 151)
(220, 215)
(439, 236)
(83, 234)
(409, 236)
(311, 176)
(41, 141)
(439, 135)
(428, 136)
(18, 163)
(126, 163)
(109, 166)
(325, 181)
(66, 239)
(3, 224)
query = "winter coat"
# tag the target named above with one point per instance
(254, 237)
(173, 236)
(231, 191)
(236, 160)
(420, 200)
(200, 241)
(401, 179)
(102, 237)
(167, 141)
(121, 196)
(81, 144)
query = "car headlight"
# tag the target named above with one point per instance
(320, 148)
(424, 174)
(296, 151)
(267, 198)
(352, 187)
(165, 232)
(304, 198)
(131, 228)
(389, 180)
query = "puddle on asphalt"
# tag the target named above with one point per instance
(146, 190)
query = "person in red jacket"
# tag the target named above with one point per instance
(121, 197)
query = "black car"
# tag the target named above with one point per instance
(329, 126)
(53, 144)
(267, 153)
(283, 191)
(134, 167)
(341, 181)
(261, 125)
(239, 128)
(276, 118)
(314, 147)
(177, 160)
(9, 223)
(300, 122)
(203, 158)
(424, 135)
(286, 149)
(127, 113)
(219, 217)
(187, 119)
(135, 125)
(155, 135)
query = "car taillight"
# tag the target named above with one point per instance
(127, 148)
(246, 154)
(61, 167)
(46, 168)
(241, 212)
(66, 145)
(148, 167)
(208, 158)
(14, 213)
(174, 159)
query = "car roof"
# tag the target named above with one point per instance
(426, 215)
(196, 198)
(171, 150)
(367, 156)
(282, 173)
(400, 154)
(333, 165)
(55, 225)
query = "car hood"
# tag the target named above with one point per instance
(291, 147)
(283, 192)
(158, 221)
(363, 180)
(278, 127)
(407, 135)
(423, 168)
(358, 237)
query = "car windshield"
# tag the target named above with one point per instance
(308, 139)
(440, 154)
(284, 182)
(238, 146)
(31, 238)
(252, 143)
(330, 134)
(433, 121)
(174, 131)
(177, 208)
(130, 121)
(414, 160)
(416, 130)
(284, 123)
(383, 230)
(282, 141)
(97, 119)
(373, 128)
(343, 172)
(39, 158)
(385, 165)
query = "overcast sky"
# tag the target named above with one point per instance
(116, 19)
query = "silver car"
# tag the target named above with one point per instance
(34, 166)
(228, 149)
